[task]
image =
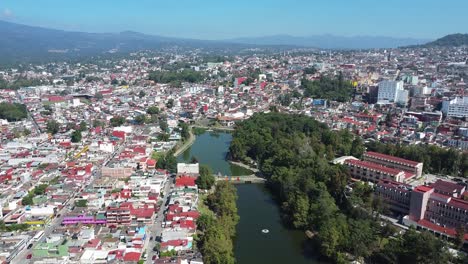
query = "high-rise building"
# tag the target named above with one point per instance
(457, 107)
(391, 92)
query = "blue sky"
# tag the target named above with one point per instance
(210, 19)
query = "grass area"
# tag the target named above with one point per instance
(85, 101)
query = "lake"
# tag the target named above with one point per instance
(211, 148)
(256, 207)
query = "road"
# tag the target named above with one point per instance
(21, 257)
(186, 145)
(38, 129)
(155, 229)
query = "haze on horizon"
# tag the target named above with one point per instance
(209, 19)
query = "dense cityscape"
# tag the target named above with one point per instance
(361, 153)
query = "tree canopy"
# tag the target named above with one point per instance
(436, 159)
(206, 179)
(331, 88)
(186, 75)
(53, 127)
(117, 121)
(217, 231)
(13, 112)
(293, 153)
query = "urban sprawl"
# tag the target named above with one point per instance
(85, 147)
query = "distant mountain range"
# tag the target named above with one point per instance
(332, 42)
(20, 43)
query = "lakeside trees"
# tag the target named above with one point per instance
(293, 153)
(206, 179)
(217, 231)
(167, 162)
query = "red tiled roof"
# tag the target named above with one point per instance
(132, 256)
(175, 243)
(93, 243)
(423, 188)
(459, 203)
(374, 166)
(151, 162)
(391, 158)
(445, 186)
(185, 181)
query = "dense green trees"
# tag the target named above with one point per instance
(38, 190)
(206, 178)
(117, 121)
(414, 247)
(436, 159)
(174, 77)
(216, 232)
(83, 126)
(76, 136)
(184, 131)
(163, 125)
(13, 112)
(167, 162)
(53, 127)
(336, 89)
(21, 82)
(293, 153)
(310, 70)
(140, 119)
(153, 110)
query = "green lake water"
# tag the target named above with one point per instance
(257, 210)
(211, 149)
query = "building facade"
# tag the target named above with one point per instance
(389, 90)
(457, 107)
(410, 166)
(373, 172)
(397, 196)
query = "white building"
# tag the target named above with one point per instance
(187, 168)
(388, 91)
(457, 107)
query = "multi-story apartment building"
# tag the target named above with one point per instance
(392, 92)
(373, 172)
(118, 215)
(396, 195)
(126, 214)
(410, 166)
(437, 207)
(457, 107)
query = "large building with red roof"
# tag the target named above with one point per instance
(373, 172)
(436, 207)
(410, 166)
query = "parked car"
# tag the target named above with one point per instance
(29, 256)
(30, 246)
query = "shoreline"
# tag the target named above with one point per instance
(243, 165)
(186, 145)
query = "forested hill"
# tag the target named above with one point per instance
(453, 40)
(292, 152)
